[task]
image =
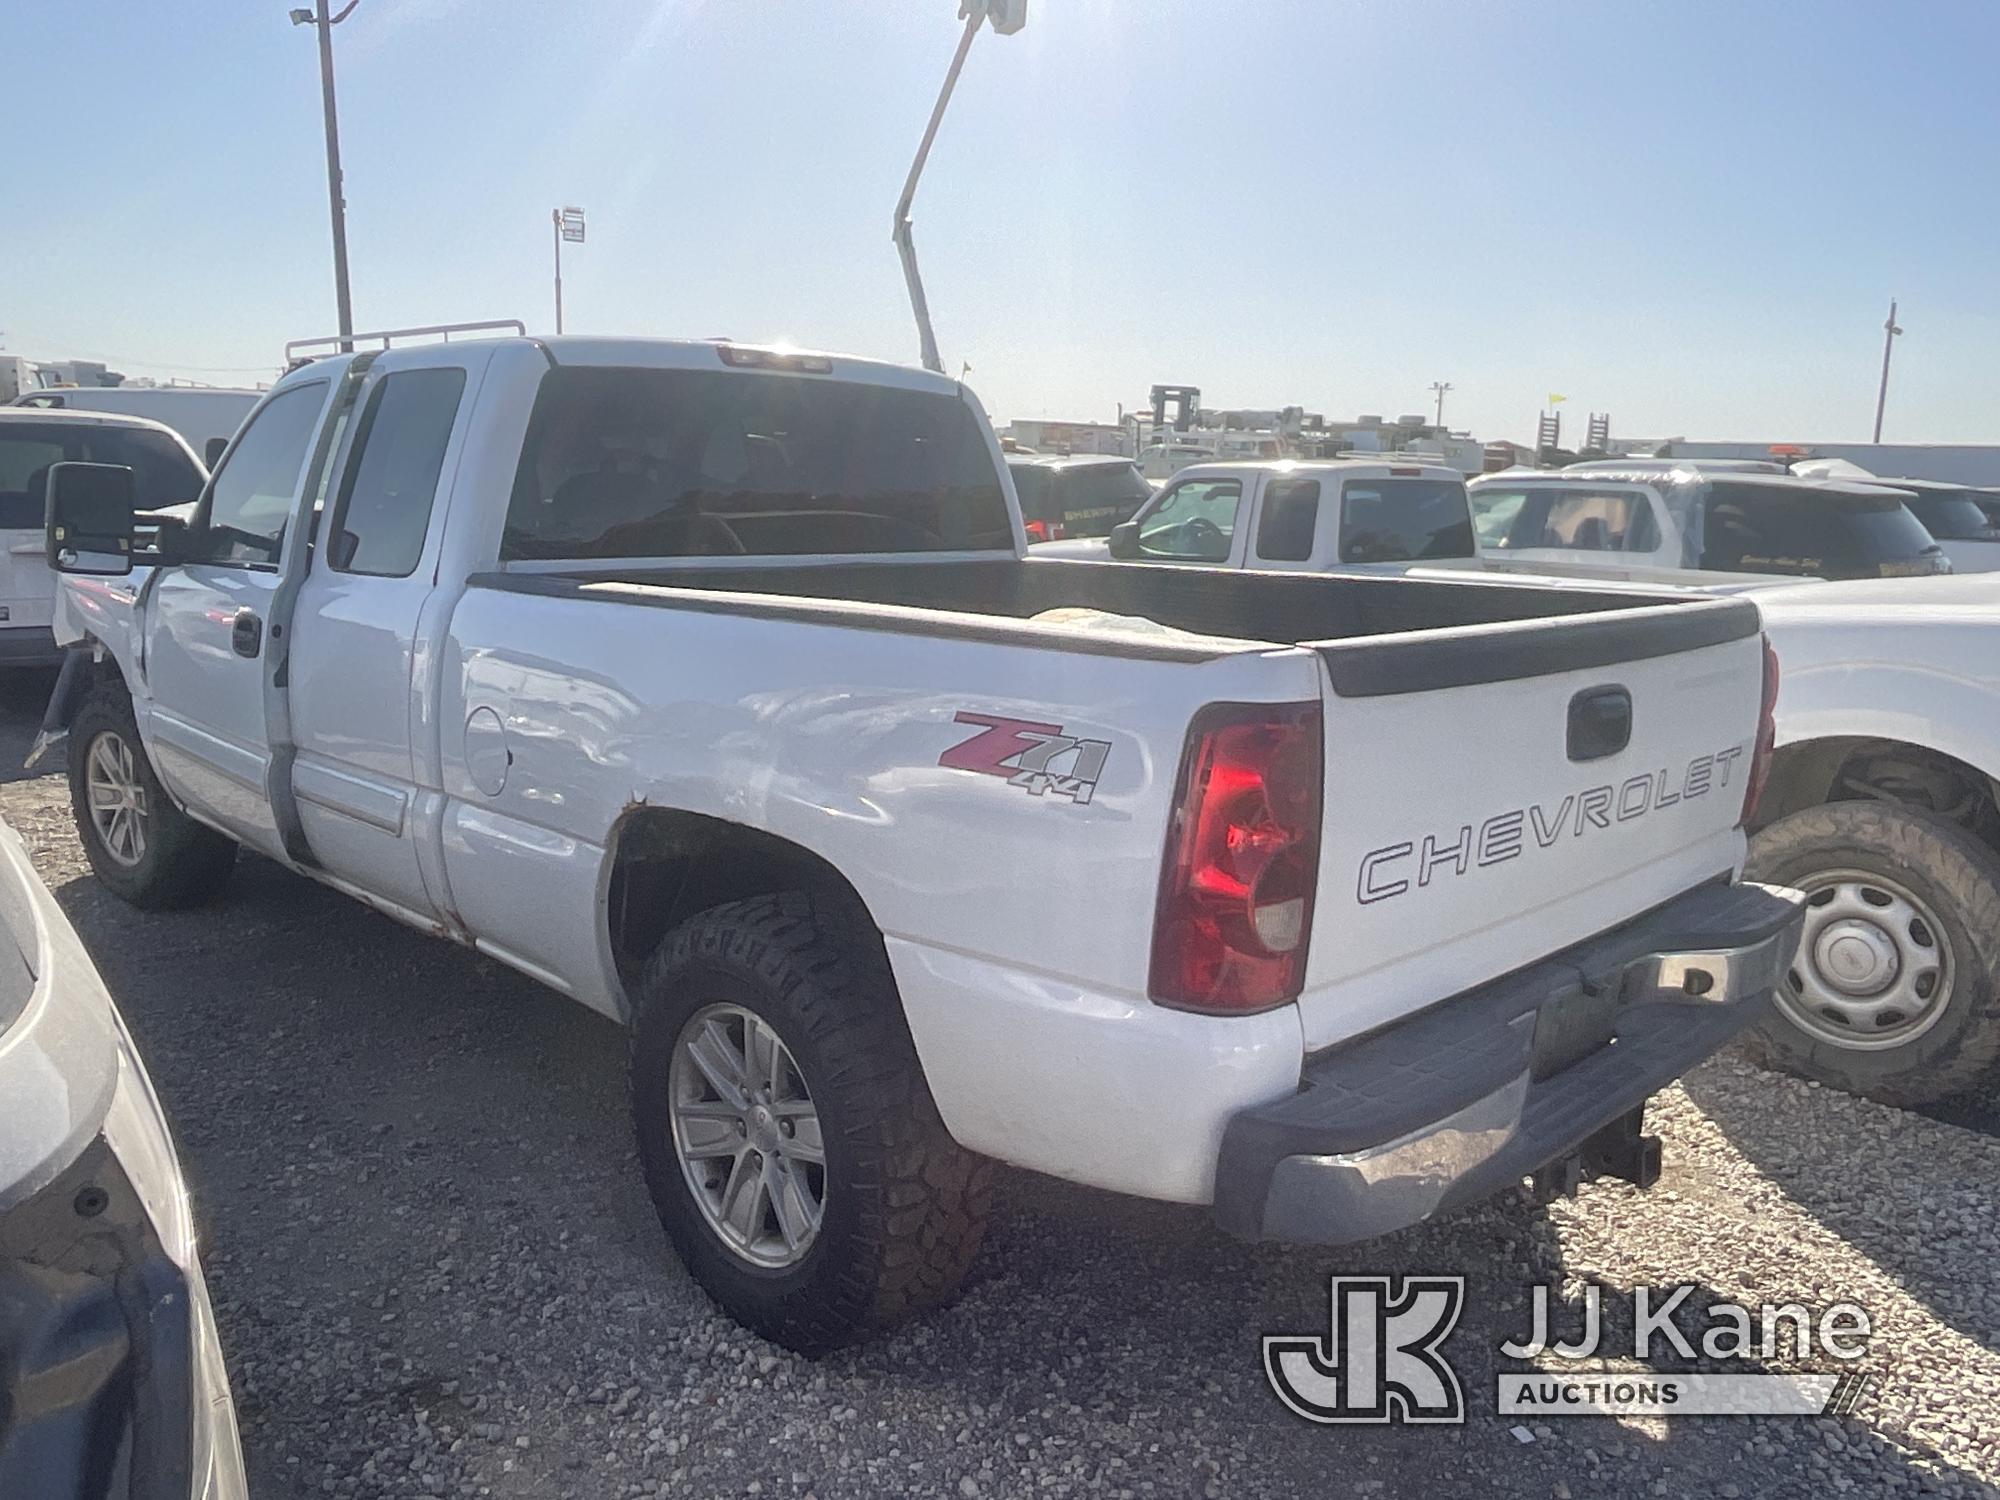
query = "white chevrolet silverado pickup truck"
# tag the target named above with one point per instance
(714, 687)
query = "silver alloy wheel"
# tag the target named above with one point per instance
(747, 1134)
(1873, 970)
(119, 809)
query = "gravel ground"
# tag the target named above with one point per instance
(437, 1273)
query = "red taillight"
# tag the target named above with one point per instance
(1037, 531)
(1767, 737)
(1236, 892)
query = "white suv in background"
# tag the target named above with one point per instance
(165, 473)
(1682, 524)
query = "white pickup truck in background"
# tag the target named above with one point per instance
(714, 687)
(1298, 516)
(1884, 808)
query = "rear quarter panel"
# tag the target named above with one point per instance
(829, 737)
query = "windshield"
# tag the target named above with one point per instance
(163, 472)
(688, 463)
(1404, 520)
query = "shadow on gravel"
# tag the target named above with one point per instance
(1885, 1180)
(24, 697)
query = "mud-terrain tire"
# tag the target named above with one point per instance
(1900, 872)
(152, 855)
(900, 1205)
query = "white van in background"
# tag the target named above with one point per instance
(207, 416)
(165, 473)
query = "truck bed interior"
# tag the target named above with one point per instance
(1378, 633)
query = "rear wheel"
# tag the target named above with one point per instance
(1895, 991)
(144, 848)
(789, 1142)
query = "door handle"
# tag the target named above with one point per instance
(246, 633)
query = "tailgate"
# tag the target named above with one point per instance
(1494, 794)
(27, 587)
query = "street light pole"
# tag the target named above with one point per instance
(568, 225)
(336, 198)
(1006, 17)
(1890, 330)
(1438, 388)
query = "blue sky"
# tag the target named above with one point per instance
(1691, 214)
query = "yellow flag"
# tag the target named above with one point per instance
(1555, 400)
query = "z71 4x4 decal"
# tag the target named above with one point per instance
(1037, 757)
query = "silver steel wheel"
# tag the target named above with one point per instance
(747, 1135)
(119, 809)
(1873, 969)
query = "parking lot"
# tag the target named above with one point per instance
(437, 1272)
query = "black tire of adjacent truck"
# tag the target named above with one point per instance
(1947, 870)
(903, 1206)
(176, 862)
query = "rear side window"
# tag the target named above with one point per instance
(1194, 522)
(1951, 518)
(1750, 528)
(1583, 520)
(1286, 523)
(1034, 487)
(1404, 520)
(162, 472)
(251, 498)
(385, 503)
(689, 463)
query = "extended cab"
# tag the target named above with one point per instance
(1318, 515)
(714, 687)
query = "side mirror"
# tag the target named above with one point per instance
(1125, 540)
(91, 520)
(212, 451)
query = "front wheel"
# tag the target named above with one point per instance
(1895, 991)
(790, 1144)
(144, 848)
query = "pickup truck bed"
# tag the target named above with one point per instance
(1376, 634)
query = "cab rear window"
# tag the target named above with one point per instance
(683, 463)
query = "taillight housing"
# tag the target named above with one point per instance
(1242, 861)
(1767, 738)
(1037, 531)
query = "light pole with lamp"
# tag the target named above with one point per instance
(1007, 17)
(568, 224)
(320, 19)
